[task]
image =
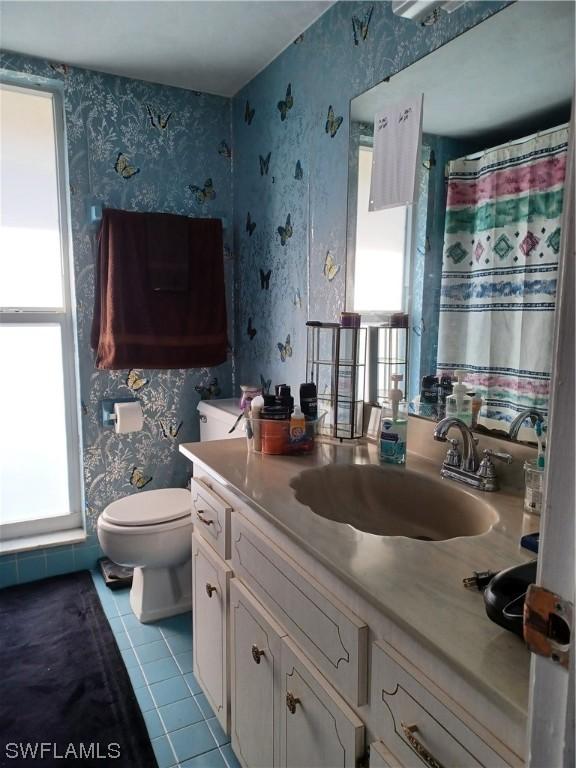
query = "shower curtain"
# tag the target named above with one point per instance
(499, 272)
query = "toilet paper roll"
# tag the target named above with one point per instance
(128, 417)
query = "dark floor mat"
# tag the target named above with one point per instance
(64, 689)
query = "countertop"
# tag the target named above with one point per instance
(417, 584)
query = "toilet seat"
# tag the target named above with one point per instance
(149, 508)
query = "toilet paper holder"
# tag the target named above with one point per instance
(107, 412)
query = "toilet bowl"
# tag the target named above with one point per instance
(151, 532)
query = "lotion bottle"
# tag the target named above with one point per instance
(459, 403)
(394, 425)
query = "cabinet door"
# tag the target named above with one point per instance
(380, 757)
(210, 580)
(255, 681)
(318, 728)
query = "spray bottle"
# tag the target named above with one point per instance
(394, 425)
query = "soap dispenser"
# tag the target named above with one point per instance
(459, 403)
(394, 425)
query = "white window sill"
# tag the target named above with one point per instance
(45, 540)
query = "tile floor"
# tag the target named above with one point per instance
(182, 727)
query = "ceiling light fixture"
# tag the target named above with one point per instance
(426, 12)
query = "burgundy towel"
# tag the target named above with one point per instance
(136, 326)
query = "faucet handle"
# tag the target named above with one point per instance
(453, 456)
(488, 453)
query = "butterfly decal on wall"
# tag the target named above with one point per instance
(84, 408)
(202, 194)
(285, 349)
(60, 69)
(265, 385)
(360, 26)
(250, 225)
(286, 231)
(297, 300)
(138, 479)
(250, 330)
(249, 113)
(265, 164)
(331, 269)
(157, 119)
(333, 123)
(134, 381)
(286, 104)
(224, 150)
(265, 279)
(170, 432)
(123, 168)
(298, 172)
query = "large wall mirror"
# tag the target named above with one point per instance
(474, 261)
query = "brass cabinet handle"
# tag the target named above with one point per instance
(256, 653)
(199, 514)
(418, 747)
(210, 589)
(291, 702)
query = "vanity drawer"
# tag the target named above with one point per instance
(380, 757)
(413, 718)
(334, 638)
(210, 585)
(211, 515)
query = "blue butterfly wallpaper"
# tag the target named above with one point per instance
(296, 112)
(144, 147)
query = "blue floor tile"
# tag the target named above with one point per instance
(180, 714)
(202, 702)
(122, 598)
(152, 651)
(162, 669)
(192, 740)
(122, 640)
(116, 624)
(163, 751)
(179, 643)
(142, 634)
(169, 691)
(153, 724)
(230, 757)
(144, 698)
(192, 683)
(184, 661)
(212, 759)
(220, 736)
(136, 677)
(130, 659)
(181, 624)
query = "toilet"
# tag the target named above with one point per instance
(151, 531)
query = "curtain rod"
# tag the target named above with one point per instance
(513, 142)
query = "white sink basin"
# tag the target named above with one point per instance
(393, 501)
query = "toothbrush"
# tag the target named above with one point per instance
(540, 459)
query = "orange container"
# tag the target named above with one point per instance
(275, 436)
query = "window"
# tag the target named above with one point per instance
(379, 260)
(39, 440)
(378, 274)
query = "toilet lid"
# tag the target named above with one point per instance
(149, 507)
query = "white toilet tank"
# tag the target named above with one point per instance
(217, 417)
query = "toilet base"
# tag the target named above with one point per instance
(157, 593)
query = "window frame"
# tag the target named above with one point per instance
(66, 319)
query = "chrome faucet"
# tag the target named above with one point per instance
(515, 425)
(465, 468)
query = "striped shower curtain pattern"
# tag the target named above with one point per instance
(500, 271)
